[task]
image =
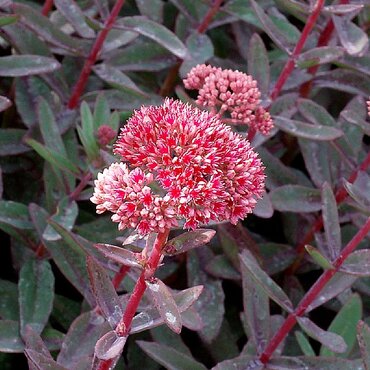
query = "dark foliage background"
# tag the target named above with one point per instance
(312, 64)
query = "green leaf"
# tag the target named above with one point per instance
(296, 198)
(360, 189)
(8, 19)
(264, 281)
(117, 79)
(200, 49)
(143, 55)
(104, 292)
(75, 17)
(363, 337)
(304, 344)
(10, 339)
(49, 32)
(328, 339)
(352, 37)
(53, 157)
(40, 361)
(282, 33)
(14, 214)
(87, 133)
(65, 216)
(11, 141)
(331, 221)
(9, 300)
(220, 267)
(169, 357)
(153, 9)
(319, 55)
(315, 113)
(26, 65)
(319, 258)
(101, 111)
(36, 294)
(344, 324)
(258, 63)
(156, 32)
(305, 130)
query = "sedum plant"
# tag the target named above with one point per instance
(135, 138)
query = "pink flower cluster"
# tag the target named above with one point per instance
(232, 91)
(186, 164)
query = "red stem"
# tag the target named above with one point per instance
(47, 7)
(90, 61)
(289, 66)
(209, 16)
(123, 327)
(313, 293)
(119, 276)
(323, 40)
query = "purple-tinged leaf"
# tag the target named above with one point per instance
(10, 339)
(264, 281)
(363, 338)
(169, 357)
(151, 318)
(11, 142)
(348, 10)
(26, 65)
(117, 79)
(360, 189)
(5, 103)
(120, 255)
(41, 362)
(192, 320)
(109, 346)
(104, 292)
(319, 55)
(258, 63)
(200, 49)
(276, 257)
(156, 32)
(165, 304)
(331, 221)
(357, 263)
(36, 294)
(344, 80)
(330, 340)
(33, 341)
(71, 261)
(282, 36)
(187, 241)
(264, 207)
(153, 9)
(80, 339)
(65, 216)
(344, 324)
(315, 113)
(306, 130)
(210, 305)
(256, 310)
(296, 198)
(318, 258)
(352, 37)
(49, 32)
(338, 283)
(220, 267)
(73, 13)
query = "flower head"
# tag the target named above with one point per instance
(232, 91)
(203, 171)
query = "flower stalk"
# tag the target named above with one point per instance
(313, 293)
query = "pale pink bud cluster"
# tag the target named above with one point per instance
(105, 135)
(232, 91)
(368, 107)
(201, 169)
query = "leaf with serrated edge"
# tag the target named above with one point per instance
(266, 283)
